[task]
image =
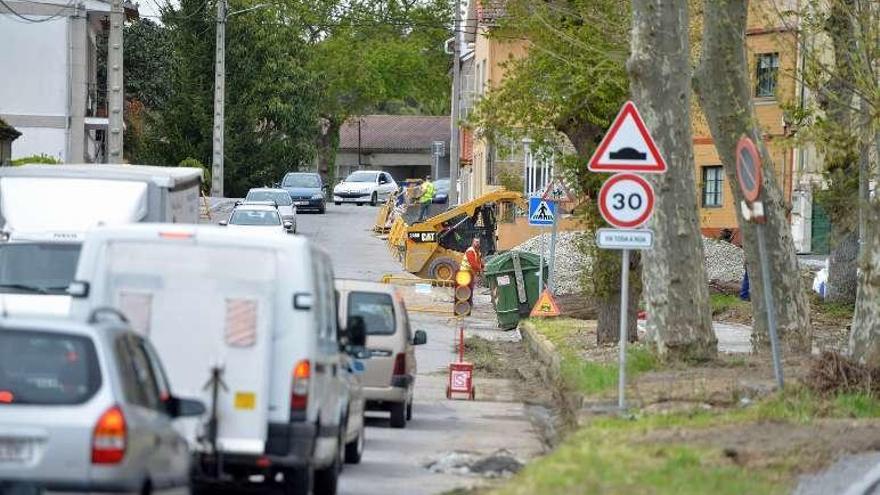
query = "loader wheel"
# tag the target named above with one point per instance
(442, 269)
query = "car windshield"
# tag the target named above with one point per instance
(39, 268)
(281, 198)
(442, 185)
(47, 368)
(255, 217)
(361, 177)
(302, 180)
(376, 309)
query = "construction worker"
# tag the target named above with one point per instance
(472, 260)
(426, 197)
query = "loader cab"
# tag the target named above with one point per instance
(459, 232)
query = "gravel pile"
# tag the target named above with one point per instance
(570, 262)
(724, 261)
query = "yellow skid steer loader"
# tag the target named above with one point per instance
(433, 249)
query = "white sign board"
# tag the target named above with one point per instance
(625, 239)
(626, 201)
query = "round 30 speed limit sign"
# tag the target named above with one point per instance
(626, 201)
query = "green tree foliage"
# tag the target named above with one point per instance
(271, 98)
(373, 56)
(573, 82)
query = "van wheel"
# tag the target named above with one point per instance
(409, 411)
(298, 481)
(354, 451)
(337, 203)
(374, 199)
(398, 415)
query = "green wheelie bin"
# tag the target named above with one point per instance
(513, 279)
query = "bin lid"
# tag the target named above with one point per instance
(503, 263)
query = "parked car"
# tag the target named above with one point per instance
(364, 186)
(441, 191)
(250, 321)
(307, 190)
(389, 379)
(280, 198)
(257, 218)
(86, 407)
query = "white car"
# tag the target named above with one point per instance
(257, 217)
(280, 197)
(364, 186)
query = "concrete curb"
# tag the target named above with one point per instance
(544, 351)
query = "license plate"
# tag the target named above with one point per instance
(18, 451)
(301, 203)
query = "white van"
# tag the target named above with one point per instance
(45, 211)
(247, 324)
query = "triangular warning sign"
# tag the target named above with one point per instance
(558, 192)
(628, 146)
(546, 305)
(543, 213)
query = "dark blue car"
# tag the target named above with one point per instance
(307, 191)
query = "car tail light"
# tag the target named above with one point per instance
(399, 365)
(299, 389)
(109, 437)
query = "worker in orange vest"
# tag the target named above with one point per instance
(473, 259)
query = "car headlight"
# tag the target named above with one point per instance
(318, 196)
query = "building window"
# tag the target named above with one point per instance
(768, 73)
(713, 178)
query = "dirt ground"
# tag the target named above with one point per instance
(801, 447)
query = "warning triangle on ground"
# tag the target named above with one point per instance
(546, 305)
(543, 213)
(628, 146)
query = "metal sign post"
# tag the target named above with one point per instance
(624, 304)
(626, 201)
(749, 174)
(555, 193)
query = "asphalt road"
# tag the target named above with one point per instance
(394, 461)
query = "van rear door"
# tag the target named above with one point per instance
(377, 310)
(208, 311)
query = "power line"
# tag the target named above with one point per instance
(37, 21)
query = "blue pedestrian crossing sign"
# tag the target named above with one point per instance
(541, 212)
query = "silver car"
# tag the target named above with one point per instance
(280, 197)
(86, 407)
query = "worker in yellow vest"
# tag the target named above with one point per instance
(426, 198)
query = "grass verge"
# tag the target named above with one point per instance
(589, 377)
(722, 303)
(688, 453)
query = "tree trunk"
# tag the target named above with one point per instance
(606, 268)
(674, 274)
(842, 268)
(865, 333)
(726, 97)
(608, 326)
(327, 144)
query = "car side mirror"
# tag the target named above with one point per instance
(223, 223)
(238, 203)
(420, 338)
(78, 289)
(185, 408)
(357, 331)
(288, 226)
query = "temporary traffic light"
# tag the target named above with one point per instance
(464, 293)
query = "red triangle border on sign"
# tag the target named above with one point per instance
(596, 165)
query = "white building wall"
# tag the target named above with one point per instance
(40, 140)
(35, 83)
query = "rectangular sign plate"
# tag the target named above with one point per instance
(625, 239)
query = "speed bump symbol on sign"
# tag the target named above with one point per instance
(626, 201)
